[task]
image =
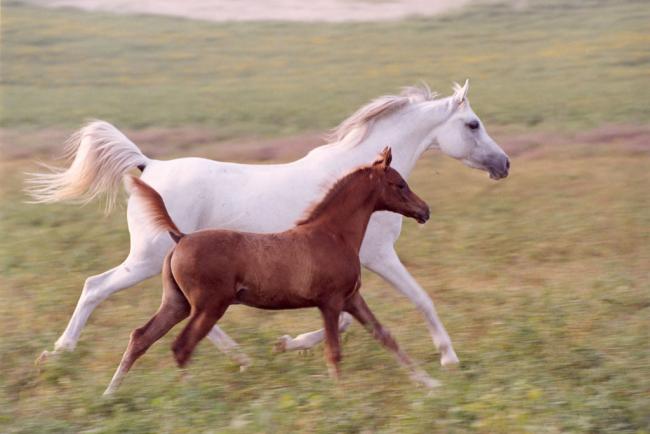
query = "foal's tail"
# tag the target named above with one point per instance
(155, 209)
(100, 155)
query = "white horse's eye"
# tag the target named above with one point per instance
(473, 125)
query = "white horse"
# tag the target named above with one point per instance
(201, 193)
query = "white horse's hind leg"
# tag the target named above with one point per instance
(308, 340)
(389, 267)
(97, 289)
(229, 347)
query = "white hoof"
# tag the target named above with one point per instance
(45, 356)
(282, 344)
(449, 359)
(42, 358)
(244, 362)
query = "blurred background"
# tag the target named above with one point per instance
(542, 280)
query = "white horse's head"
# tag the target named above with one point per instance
(462, 136)
(417, 120)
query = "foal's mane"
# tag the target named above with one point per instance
(318, 208)
(363, 118)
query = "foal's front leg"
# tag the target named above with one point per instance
(332, 342)
(358, 308)
(388, 266)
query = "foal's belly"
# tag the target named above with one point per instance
(272, 299)
(276, 295)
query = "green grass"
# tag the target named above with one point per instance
(541, 280)
(550, 65)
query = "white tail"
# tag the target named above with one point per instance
(101, 155)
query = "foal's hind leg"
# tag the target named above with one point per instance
(362, 313)
(173, 309)
(203, 318)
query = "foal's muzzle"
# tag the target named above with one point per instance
(422, 216)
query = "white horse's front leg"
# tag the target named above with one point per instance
(388, 266)
(308, 340)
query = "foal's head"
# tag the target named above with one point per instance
(394, 193)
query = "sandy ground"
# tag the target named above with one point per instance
(263, 10)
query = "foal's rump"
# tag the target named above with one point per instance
(172, 292)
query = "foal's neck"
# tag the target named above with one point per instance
(346, 211)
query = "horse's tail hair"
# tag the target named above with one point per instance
(100, 155)
(155, 210)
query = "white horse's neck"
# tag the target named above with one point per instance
(409, 131)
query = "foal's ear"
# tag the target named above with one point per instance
(384, 159)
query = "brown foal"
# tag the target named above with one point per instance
(314, 264)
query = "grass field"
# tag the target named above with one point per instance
(551, 65)
(542, 280)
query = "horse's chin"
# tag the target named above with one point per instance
(493, 172)
(495, 175)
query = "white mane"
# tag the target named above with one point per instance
(360, 121)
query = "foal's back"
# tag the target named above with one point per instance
(297, 268)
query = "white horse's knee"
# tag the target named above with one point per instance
(93, 291)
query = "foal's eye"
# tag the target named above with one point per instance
(473, 125)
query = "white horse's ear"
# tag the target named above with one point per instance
(460, 93)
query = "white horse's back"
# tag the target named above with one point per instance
(203, 193)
